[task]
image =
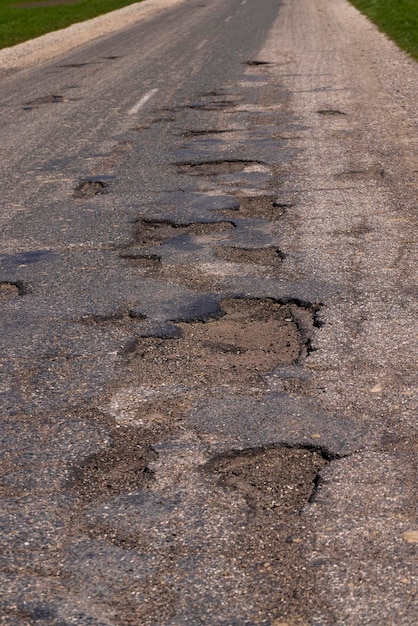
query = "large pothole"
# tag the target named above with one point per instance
(220, 530)
(253, 337)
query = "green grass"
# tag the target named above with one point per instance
(20, 24)
(397, 18)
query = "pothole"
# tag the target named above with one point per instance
(253, 207)
(252, 338)
(366, 174)
(74, 65)
(257, 62)
(140, 419)
(278, 478)
(187, 134)
(210, 106)
(259, 256)
(215, 167)
(118, 317)
(89, 188)
(122, 467)
(147, 262)
(10, 290)
(276, 484)
(154, 232)
(331, 112)
(45, 100)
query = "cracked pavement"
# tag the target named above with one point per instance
(208, 296)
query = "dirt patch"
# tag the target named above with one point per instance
(154, 232)
(252, 338)
(271, 257)
(9, 291)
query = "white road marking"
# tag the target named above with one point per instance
(244, 2)
(228, 18)
(142, 101)
(202, 43)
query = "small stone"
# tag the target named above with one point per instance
(376, 389)
(411, 536)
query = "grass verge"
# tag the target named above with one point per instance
(397, 18)
(26, 19)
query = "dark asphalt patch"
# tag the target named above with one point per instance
(21, 259)
(238, 422)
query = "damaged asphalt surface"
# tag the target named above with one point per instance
(208, 302)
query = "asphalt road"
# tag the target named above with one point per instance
(207, 305)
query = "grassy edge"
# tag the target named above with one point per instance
(18, 25)
(398, 20)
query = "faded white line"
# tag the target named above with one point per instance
(244, 2)
(141, 102)
(202, 43)
(228, 18)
